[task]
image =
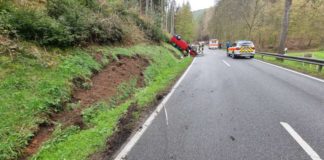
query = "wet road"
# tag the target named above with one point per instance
(237, 109)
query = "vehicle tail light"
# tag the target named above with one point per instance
(237, 48)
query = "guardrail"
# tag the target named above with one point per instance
(318, 62)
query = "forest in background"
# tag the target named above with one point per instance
(261, 22)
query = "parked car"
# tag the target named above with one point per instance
(242, 48)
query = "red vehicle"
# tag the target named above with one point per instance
(182, 45)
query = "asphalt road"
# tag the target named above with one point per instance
(232, 109)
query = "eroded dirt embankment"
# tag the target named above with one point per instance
(127, 125)
(104, 86)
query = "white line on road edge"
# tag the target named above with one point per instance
(131, 143)
(166, 115)
(309, 150)
(228, 65)
(305, 75)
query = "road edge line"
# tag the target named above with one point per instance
(138, 134)
(307, 148)
(290, 70)
(166, 115)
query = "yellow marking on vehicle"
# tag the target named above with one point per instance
(246, 50)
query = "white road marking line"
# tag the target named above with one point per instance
(228, 65)
(166, 115)
(131, 143)
(302, 74)
(308, 149)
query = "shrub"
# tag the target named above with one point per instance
(37, 26)
(5, 27)
(74, 16)
(32, 25)
(107, 30)
(151, 31)
(66, 23)
(84, 24)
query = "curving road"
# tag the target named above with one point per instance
(237, 109)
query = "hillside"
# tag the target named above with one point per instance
(199, 14)
(202, 19)
(72, 70)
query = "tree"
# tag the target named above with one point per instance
(250, 11)
(184, 24)
(172, 15)
(285, 26)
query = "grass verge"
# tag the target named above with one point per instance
(316, 55)
(297, 66)
(30, 88)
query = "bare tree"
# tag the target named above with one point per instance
(172, 15)
(250, 11)
(146, 7)
(284, 29)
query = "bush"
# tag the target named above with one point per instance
(66, 23)
(107, 30)
(75, 22)
(151, 31)
(84, 24)
(34, 25)
(74, 16)
(5, 27)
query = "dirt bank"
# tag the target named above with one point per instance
(103, 86)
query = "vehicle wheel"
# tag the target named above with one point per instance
(251, 57)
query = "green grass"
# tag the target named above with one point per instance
(297, 66)
(317, 55)
(29, 88)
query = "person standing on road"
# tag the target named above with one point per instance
(201, 46)
(228, 44)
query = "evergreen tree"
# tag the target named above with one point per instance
(184, 24)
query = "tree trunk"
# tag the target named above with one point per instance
(173, 5)
(146, 6)
(285, 26)
(309, 43)
(162, 13)
(140, 6)
(151, 6)
(166, 15)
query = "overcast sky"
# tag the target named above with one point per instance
(198, 4)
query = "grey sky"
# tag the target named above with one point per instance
(198, 4)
